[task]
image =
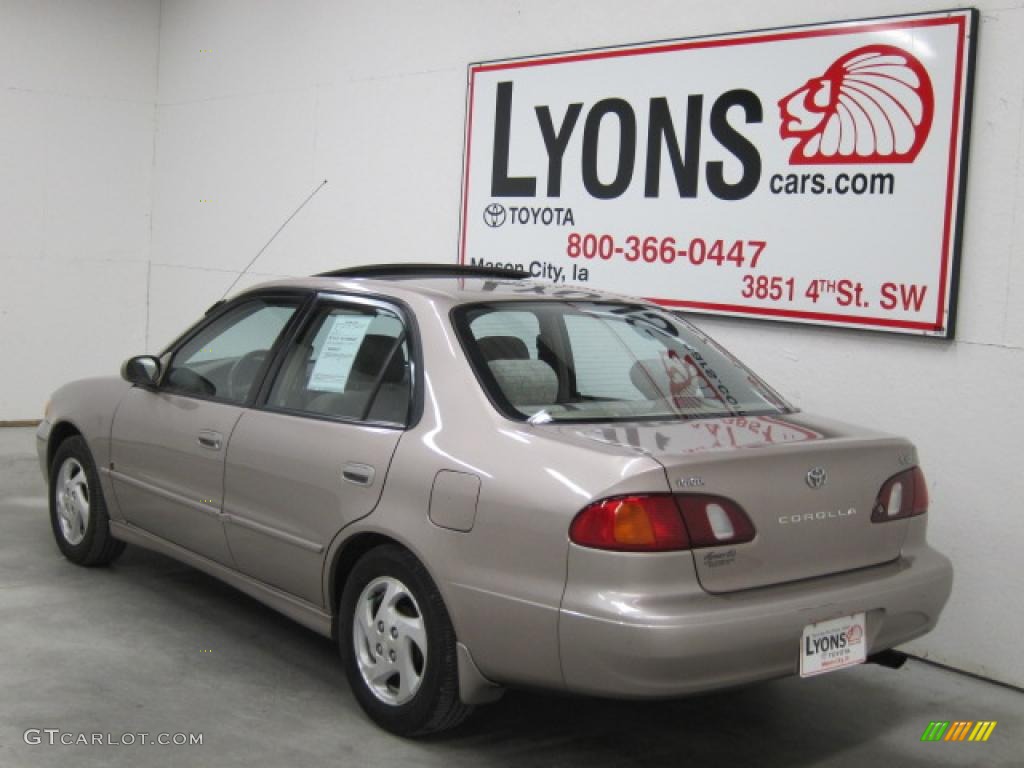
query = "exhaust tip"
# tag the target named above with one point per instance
(889, 659)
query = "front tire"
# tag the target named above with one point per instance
(398, 645)
(78, 511)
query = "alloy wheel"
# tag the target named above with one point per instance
(72, 497)
(390, 640)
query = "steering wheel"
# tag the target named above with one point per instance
(243, 372)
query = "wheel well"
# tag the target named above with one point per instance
(345, 561)
(58, 434)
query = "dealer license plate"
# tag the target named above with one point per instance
(831, 645)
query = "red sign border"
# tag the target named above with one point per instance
(965, 19)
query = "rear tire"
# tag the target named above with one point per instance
(398, 645)
(78, 511)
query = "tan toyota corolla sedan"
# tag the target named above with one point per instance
(471, 481)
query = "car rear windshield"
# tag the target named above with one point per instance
(559, 361)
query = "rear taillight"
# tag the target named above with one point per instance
(903, 495)
(631, 524)
(660, 523)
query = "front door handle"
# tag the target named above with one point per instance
(210, 439)
(360, 474)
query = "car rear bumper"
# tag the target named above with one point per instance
(653, 641)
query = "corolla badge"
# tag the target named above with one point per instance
(816, 477)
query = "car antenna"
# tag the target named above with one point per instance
(266, 245)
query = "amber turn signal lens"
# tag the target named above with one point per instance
(632, 525)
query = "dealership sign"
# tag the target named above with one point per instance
(813, 174)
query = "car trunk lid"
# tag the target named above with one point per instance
(808, 485)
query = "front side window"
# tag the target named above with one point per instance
(225, 358)
(602, 361)
(351, 362)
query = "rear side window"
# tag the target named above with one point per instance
(352, 363)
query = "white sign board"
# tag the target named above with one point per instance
(333, 366)
(813, 174)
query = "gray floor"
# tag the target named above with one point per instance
(152, 646)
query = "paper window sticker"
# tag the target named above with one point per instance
(333, 366)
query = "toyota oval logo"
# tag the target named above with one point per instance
(494, 215)
(816, 477)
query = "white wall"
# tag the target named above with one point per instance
(77, 120)
(257, 102)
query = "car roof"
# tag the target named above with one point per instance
(450, 283)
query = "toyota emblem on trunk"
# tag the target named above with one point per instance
(816, 477)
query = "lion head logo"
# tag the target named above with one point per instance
(873, 105)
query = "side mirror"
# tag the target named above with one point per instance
(143, 370)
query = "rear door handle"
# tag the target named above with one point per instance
(360, 474)
(210, 439)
